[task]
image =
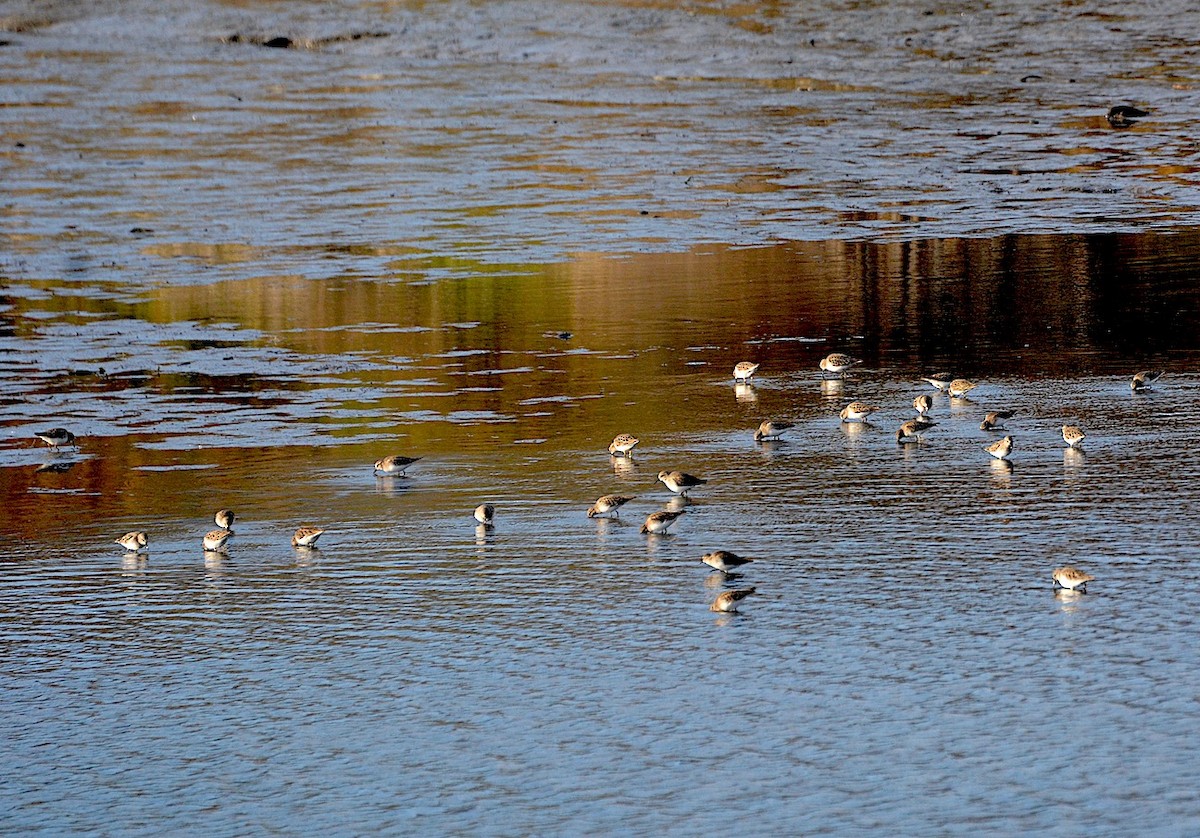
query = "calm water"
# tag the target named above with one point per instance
(374, 246)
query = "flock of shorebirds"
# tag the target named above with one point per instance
(679, 482)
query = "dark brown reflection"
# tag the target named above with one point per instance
(970, 302)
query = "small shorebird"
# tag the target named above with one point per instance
(680, 482)
(622, 445)
(1001, 448)
(485, 514)
(959, 387)
(1071, 578)
(225, 518)
(1144, 380)
(56, 437)
(838, 363)
(727, 602)
(940, 380)
(215, 540)
(910, 431)
(395, 464)
(132, 541)
(772, 429)
(306, 537)
(1122, 116)
(994, 421)
(724, 561)
(857, 412)
(744, 370)
(1073, 435)
(659, 522)
(923, 404)
(609, 503)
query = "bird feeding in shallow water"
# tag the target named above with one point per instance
(1071, 578)
(994, 421)
(56, 437)
(911, 430)
(1001, 448)
(659, 522)
(959, 387)
(1145, 379)
(133, 541)
(485, 514)
(622, 445)
(680, 482)
(1073, 435)
(744, 370)
(394, 464)
(857, 412)
(724, 561)
(727, 603)
(838, 363)
(922, 405)
(772, 429)
(608, 503)
(216, 540)
(306, 537)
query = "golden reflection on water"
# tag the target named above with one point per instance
(566, 355)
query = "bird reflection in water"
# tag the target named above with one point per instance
(1073, 461)
(1001, 472)
(745, 393)
(134, 563)
(623, 466)
(832, 386)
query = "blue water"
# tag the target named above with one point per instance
(495, 239)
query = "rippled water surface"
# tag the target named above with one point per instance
(496, 235)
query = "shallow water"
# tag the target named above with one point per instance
(294, 308)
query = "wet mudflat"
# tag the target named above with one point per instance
(243, 274)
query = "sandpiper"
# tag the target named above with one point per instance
(959, 387)
(680, 482)
(1122, 116)
(609, 503)
(1071, 578)
(225, 518)
(744, 370)
(485, 514)
(994, 421)
(622, 445)
(132, 541)
(215, 540)
(772, 429)
(1143, 380)
(857, 412)
(724, 561)
(940, 380)
(910, 431)
(659, 522)
(306, 537)
(728, 602)
(1073, 435)
(838, 363)
(56, 437)
(923, 404)
(395, 464)
(1001, 448)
